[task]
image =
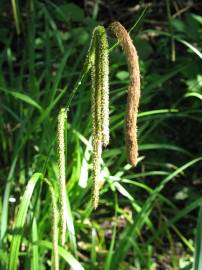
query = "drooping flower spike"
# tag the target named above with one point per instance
(133, 91)
(99, 103)
(62, 178)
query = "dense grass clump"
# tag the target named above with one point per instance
(65, 84)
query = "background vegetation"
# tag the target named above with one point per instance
(147, 217)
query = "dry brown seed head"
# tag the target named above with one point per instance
(133, 91)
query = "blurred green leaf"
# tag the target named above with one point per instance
(122, 75)
(70, 12)
(143, 48)
(73, 262)
(20, 221)
(23, 97)
(198, 243)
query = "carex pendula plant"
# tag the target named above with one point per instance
(97, 63)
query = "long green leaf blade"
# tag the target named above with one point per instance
(198, 243)
(64, 254)
(20, 221)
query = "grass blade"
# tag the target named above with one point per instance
(16, 15)
(179, 215)
(35, 250)
(198, 243)
(163, 146)
(20, 221)
(192, 94)
(131, 233)
(64, 254)
(24, 98)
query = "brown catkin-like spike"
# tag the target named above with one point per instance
(61, 164)
(99, 103)
(133, 91)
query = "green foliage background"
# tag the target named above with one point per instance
(147, 215)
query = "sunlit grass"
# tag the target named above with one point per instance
(147, 215)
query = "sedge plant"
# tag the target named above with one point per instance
(29, 250)
(97, 61)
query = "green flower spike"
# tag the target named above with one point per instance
(61, 163)
(100, 103)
